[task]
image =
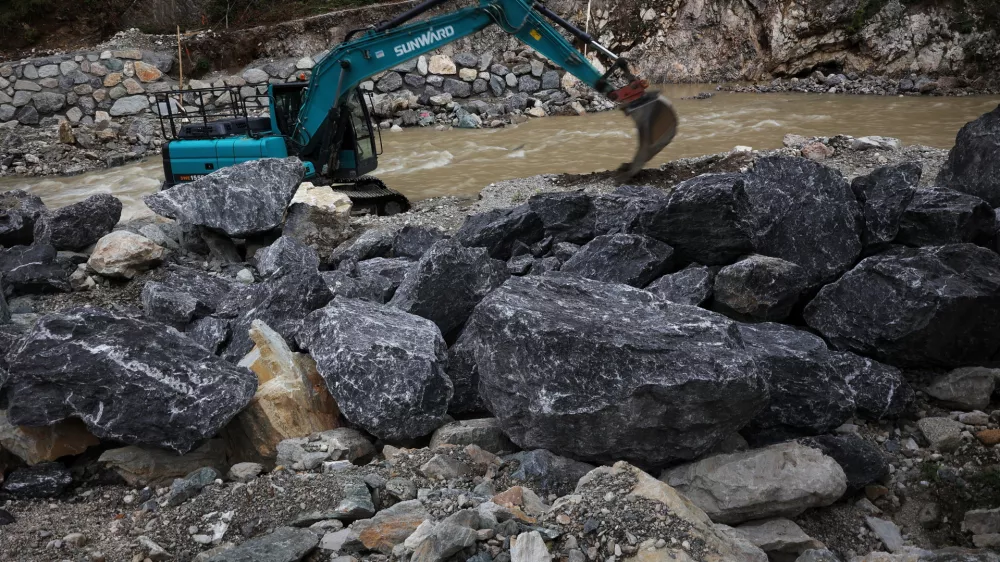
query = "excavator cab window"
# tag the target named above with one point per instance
(287, 99)
(365, 156)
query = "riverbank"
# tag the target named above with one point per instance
(902, 463)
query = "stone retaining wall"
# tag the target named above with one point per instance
(73, 112)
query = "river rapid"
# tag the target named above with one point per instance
(423, 163)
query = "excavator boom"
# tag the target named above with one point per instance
(326, 122)
(391, 43)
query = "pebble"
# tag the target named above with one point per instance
(75, 540)
(989, 437)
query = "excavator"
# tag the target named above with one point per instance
(326, 123)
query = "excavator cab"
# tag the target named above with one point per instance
(357, 154)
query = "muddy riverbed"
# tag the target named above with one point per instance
(424, 163)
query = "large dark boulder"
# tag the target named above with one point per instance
(242, 200)
(879, 390)
(627, 209)
(692, 285)
(802, 212)
(915, 306)
(284, 254)
(210, 333)
(557, 364)
(129, 380)
(973, 165)
(809, 394)
(412, 241)
(18, 212)
(76, 226)
(34, 269)
(183, 295)
(862, 461)
(464, 376)
(447, 283)
(566, 217)
(281, 302)
(760, 288)
(884, 194)
(374, 280)
(499, 230)
(384, 367)
(632, 259)
(938, 216)
(372, 243)
(699, 221)
(382, 276)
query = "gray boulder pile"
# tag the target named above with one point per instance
(793, 354)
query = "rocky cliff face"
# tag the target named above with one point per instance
(714, 40)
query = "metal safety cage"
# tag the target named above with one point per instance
(204, 113)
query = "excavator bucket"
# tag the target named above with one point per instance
(656, 121)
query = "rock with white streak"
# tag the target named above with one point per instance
(183, 295)
(18, 212)
(447, 283)
(760, 288)
(242, 200)
(938, 215)
(76, 226)
(129, 380)
(973, 164)
(632, 259)
(803, 212)
(692, 286)
(884, 195)
(384, 367)
(575, 338)
(281, 302)
(285, 253)
(937, 306)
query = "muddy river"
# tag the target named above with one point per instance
(425, 163)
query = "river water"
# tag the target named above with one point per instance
(424, 163)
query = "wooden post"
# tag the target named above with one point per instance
(586, 27)
(180, 59)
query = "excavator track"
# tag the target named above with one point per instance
(372, 197)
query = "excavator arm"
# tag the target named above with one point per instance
(394, 42)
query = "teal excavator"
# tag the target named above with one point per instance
(326, 123)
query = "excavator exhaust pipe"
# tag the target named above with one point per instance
(656, 122)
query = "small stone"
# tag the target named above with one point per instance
(943, 434)
(887, 532)
(445, 467)
(529, 547)
(245, 471)
(989, 437)
(75, 540)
